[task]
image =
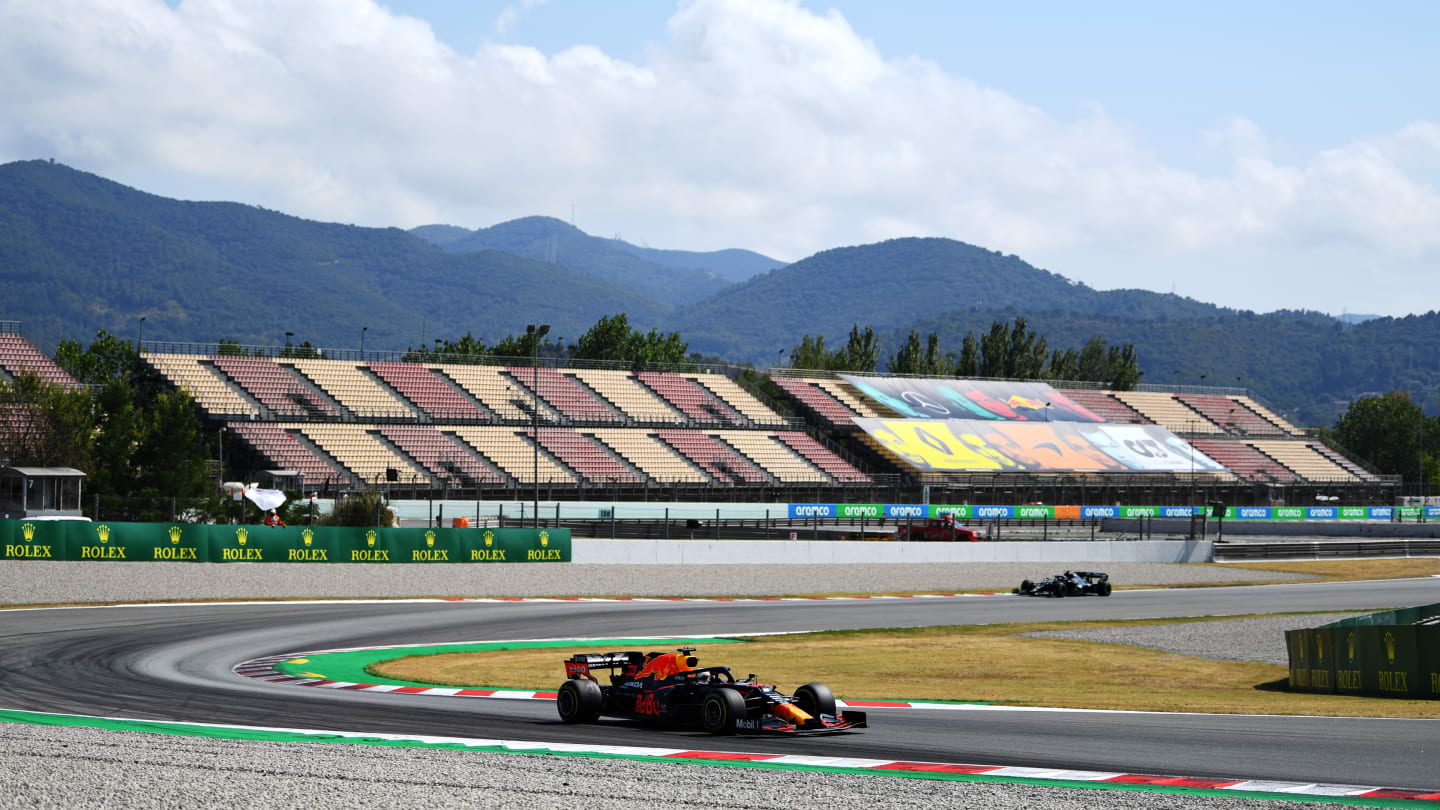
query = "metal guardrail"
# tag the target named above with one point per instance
(9, 327)
(1323, 549)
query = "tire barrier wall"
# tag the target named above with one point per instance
(1384, 655)
(195, 542)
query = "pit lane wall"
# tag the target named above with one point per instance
(192, 542)
(1384, 655)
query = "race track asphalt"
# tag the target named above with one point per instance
(174, 663)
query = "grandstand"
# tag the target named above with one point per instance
(497, 426)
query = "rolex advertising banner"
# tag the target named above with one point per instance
(1386, 660)
(989, 400)
(193, 542)
(954, 445)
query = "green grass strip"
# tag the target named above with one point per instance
(232, 733)
(349, 667)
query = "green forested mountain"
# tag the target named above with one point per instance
(890, 284)
(547, 239)
(80, 253)
(732, 264)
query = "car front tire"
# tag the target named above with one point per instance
(815, 699)
(720, 709)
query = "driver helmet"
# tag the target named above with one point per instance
(703, 677)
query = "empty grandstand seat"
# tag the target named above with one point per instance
(1300, 458)
(774, 457)
(650, 455)
(363, 453)
(18, 355)
(738, 398)
(353, 388)
(203, 383)
(818, 400)
(1106, 406)
(622, 390)
(1230, 415)
(1164, 409)
(822, 457)
(1269, 416)
(442, 455)
(1343, 462)
(497, 392)
(275, 387)
(585, 456)
(722, 463)
(565, 395)
(508, 449)
(1245, 461)
(691, 398)
(428, 392)
(278, 443)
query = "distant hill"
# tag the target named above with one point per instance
(547, 239)
(888, 284)
(732, 264)
(1355, 317)
(80, 253)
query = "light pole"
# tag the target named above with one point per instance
(286, 350)
(1047, 412)
(363, 330)
(139, 338)
(535, 333)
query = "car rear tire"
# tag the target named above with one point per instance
(578, 701)
(815, 699)
(720, 709)
(1104, 589)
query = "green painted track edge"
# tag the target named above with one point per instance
(350, 666)
(241, 734)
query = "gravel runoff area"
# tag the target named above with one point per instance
(1260, 640)
(30, 582)
(42, 767)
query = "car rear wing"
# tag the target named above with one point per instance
(580, 664)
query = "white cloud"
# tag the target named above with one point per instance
(756, 123)
(508, 16)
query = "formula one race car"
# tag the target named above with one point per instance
(671, 689)
(1070, 583)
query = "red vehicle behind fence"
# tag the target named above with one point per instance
(937, 528)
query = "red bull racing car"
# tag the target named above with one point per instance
(672, 689)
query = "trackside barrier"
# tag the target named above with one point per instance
(193, 542)
(807, 552)
(1391, 654)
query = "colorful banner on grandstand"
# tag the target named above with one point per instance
(991, 400)
(969, 445)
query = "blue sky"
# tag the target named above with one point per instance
(1261, 156)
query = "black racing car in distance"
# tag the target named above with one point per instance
(1070, 583)
(672, 689)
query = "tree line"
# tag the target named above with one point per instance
(1009, 351)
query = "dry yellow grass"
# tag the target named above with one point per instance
(992, 663)
(1352, 570)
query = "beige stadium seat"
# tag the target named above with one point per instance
(650, 455)
(508, 450)
(847, 397)
(625, 393)
(774, 457)
(1301, 459)
(1269, 415)
(1167, 411)
(361, 452)
(353, 388)
(496, 391)
(210, 392)
(738, 398)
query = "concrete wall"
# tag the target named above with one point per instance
(710, 552)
